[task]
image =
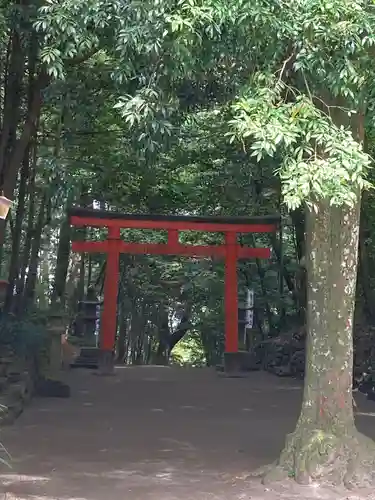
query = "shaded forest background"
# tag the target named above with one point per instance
(79, 126)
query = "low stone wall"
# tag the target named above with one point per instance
(18, 379)
(285, 355)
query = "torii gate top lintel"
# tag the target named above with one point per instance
(230, 250)
(215, 223)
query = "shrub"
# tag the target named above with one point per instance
(21, 337)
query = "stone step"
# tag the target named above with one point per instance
(89, 352)
(88, 358)
(85, 363)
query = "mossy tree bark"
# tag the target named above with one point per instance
(326, 447)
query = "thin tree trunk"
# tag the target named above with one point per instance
(180, 331)
(12, 100)
(208, 347)
(63, 256)
(286, 276)
(10, 170)
(32, 274)
(141, 338)
(127, 347)
(163, 334)
(135, 333)
(298, 219)
(121, 340)
(148, 350)
(62, 261)
(325, 444)
(63, 251)
(89, 270)
(262, 274)
(14, 267)
(364, 268)
(42, 288)
(70, 287)
(20, 285)
(24, 177)
(81, 280)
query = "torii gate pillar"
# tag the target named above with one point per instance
(108, 323)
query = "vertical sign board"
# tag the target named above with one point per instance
(246, 318)
(249, 308)
(97, 323)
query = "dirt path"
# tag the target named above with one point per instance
(156, 433)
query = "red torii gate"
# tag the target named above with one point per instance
(231, 251)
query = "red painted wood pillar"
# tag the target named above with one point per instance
(173, 239)
(108, 324)
(231, 292)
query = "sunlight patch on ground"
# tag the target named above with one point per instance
(286, 388)
(7, 479)
(12, 496)
(182, 445)
(132, 477)
(137, 367)
(121, 474)
(187, 407)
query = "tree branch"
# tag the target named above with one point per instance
(179, 334)
(79, 59)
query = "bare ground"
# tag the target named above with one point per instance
(159, 433)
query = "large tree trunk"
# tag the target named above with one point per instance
(326, 444)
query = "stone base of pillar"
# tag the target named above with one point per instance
(106, 363)
(237, 363)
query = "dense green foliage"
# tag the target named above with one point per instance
(188, 106)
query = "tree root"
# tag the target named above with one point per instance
(316, 456)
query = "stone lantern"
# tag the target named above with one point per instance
(86, 321)
(5, 204)
(56, 328)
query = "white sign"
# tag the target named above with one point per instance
(249, 308)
